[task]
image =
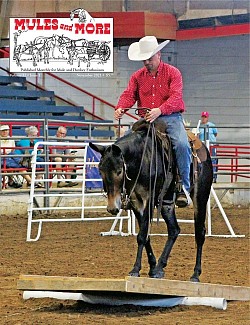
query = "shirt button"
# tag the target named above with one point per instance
(153, 103)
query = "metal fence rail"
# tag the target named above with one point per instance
(45, 201)
(50, 194)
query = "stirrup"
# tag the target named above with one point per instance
(183, 198)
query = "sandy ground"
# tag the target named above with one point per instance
(77, 249)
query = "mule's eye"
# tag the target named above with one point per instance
(119, 172)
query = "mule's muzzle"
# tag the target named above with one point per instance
(113, 211)
(114, 204)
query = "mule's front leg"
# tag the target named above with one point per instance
(142, 240)
(151, 257)
(137, 266)
(168, 214)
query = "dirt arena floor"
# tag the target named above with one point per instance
(77, 249)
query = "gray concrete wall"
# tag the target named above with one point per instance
(216, 79)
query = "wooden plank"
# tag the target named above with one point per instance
(134, 285)
(187, 289)
(60, 283)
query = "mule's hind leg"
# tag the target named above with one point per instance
(200, 198)
(200, 232)
(168, 214)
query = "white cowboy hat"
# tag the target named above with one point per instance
(145, 48)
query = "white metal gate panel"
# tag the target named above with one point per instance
(50, 194)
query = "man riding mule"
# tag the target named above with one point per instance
(158, 86)
(139, 173)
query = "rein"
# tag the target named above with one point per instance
(124, 197)
(167, 172)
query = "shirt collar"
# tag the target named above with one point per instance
(159, 70)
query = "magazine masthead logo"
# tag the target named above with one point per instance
(79, 43)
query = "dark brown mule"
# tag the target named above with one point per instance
(138, 175)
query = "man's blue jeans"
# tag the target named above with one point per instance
(177, 133)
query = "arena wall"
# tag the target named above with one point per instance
(18, 203)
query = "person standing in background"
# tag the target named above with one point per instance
(208, 131)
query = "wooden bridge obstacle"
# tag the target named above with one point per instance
(131, 288)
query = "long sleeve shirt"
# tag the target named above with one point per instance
(164, 90)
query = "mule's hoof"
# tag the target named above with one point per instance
(157, 275)
(135, 274)
(151, 273)
(194, 279)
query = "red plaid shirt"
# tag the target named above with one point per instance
(163, 90)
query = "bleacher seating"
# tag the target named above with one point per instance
(7, 104)
(21, 107)
(8, 92)
(72, 130)
(8, 80)
(18, 103)
(42, 115)
(17, 87)
(84, 131)
(37, 109)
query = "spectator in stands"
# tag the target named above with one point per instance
(8, 148)
(62, 152)
(208, 131)
(25, 147)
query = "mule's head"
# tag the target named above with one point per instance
(111, 168)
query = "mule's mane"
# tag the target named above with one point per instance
(132, 141)
(142, 124)
(146, 134)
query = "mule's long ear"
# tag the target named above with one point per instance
(97, 147)
(116, 150)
